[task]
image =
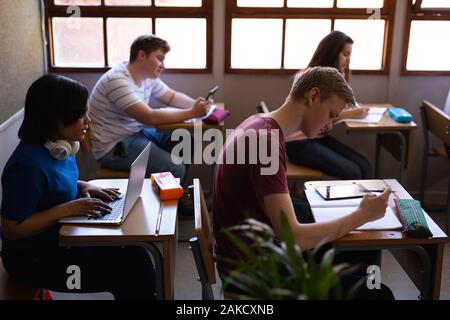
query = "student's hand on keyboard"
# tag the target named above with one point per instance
(374, 207)
(105, 194)
(86, 206)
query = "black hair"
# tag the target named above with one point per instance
(50, 100)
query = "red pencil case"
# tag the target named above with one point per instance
(217, 116)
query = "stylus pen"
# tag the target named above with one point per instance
(158, 221)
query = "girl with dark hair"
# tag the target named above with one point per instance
(326, 153)
(40, 186)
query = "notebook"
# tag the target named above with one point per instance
(211, 109)
(324, 211)
(374, 116)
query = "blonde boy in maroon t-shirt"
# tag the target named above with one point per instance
(243, 189)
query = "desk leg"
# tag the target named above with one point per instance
(158, 261)
(169, 254)
(428, 277)
(436, 253)
(403, 156)
(422, 264)
(152, 250)
(397, 147)
(398, 150)
(377, 156)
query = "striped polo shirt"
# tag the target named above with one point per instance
(112, 95)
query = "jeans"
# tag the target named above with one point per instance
(331, 157)
(126, 151)
(127, 273)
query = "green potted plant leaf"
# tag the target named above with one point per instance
(274, 270)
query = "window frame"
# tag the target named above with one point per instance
(415, 12)
(205, 11)
(387, 13)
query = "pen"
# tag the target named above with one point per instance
(158, 221)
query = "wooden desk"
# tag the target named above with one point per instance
(139, 229)
(397, 138)
(192, 125)
(421, 259)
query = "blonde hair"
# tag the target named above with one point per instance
(329, 81)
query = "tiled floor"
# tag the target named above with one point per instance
(188, 288)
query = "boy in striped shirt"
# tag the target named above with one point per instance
(123, 121)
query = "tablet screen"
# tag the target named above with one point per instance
(342, 192)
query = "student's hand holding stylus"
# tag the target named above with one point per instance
(374, 207)
(358, 113)
(200, 108)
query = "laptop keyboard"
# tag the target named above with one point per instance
(116, 212)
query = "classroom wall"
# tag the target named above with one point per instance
(21, 52)
(9, 139)
(241, 94)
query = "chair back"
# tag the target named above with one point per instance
(447, 104)
(436, 121)
(203, 231)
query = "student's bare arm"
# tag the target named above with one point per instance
(308, 236)
(354, 113)
(44, 220)
(152, 117)
(177, 99)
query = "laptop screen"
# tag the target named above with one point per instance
(136, 180)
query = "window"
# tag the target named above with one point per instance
(280, 36)
(94, 35)
(425, 51)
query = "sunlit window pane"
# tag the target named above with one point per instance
(426, 52)
(368, 36)
(78, 2)
(302, 38)
(73, 50)
(261, 3)
(121, 34)
(310, 4)
(360, 3)
(178, 3)
(435, 4)
(187, 51)
(256, 43)
(128, 2)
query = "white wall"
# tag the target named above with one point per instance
(241, 93)
(21, 52)
(9, 140)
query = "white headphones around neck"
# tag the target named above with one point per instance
(62, 149)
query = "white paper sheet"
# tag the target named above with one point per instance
(374, 116)
(388, 222)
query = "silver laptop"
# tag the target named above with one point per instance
(122, 207)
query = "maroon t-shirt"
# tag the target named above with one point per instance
(239, 189)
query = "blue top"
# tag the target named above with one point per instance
(34, 181)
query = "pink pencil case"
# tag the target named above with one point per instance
(217, 116)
